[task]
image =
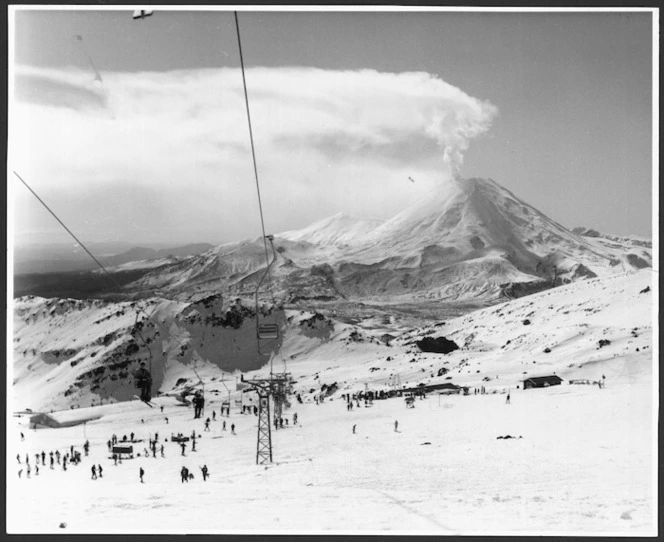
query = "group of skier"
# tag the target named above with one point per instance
(73, 457)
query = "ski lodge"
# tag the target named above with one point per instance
(541, 381)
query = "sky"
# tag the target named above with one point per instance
(136, 130)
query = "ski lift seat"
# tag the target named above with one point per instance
(268, 331)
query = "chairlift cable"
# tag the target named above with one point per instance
(251, 135)
(101, 266)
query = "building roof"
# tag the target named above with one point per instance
(543, 379)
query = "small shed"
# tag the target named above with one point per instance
(541, 381)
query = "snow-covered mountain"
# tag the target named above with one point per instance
(72, 352)
(469, 239)
(341, 230)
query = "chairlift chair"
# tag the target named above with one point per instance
(266, 331)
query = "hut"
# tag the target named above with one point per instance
(541, 381)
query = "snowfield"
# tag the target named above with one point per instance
(583, 459)
(584, 464)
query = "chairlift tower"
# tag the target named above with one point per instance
(277, 386)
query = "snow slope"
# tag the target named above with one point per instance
(72, 352)
(585, 464)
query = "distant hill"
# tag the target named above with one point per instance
(63, 257)
(70, 272)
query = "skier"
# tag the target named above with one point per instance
(43, 456)
(507, 401)
(115, 459)
(108, 443)
(204, 470)
(193, 444)
(396, 426)
(161, 408)
(354, 426)
(131, 436)
(51, 460)
(99, 470)
(223, 427)
(167, 420)
(214, 415)
(141, 472)
(207, 425)
(162, 450)
(22, 436)
(295, 418)
(57, 456)
(36, 470)
(233, 428)
(184, 475)
(27, 473)
(94, 472)
(183, 446)
(18, 458)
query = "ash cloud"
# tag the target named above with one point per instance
(327, 138)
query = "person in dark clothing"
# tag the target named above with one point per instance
(204, 470)
(162, 450)
(141, 473)
(144, 382)
(94, 472)
(43, 456)
(184, 475)
(99, 470)
(214, 415)
(115, 459)
(232, 428)
(207, 425)
(183, 446)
